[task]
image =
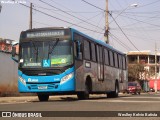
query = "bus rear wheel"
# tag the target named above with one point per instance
(113, 94)
(84, 95)
(43, 97)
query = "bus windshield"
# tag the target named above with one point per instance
(57, 53)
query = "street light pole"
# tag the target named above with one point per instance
(155, 82)
(106, 38)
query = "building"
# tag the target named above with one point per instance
(17, 48)
(147, 59)
(6, 45)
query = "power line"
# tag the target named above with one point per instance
(115, 22)
(123, 32)
(69, 10)
(59, 18)
(141, 38)
(153, 12)
(69, 14)
(38, 6)
(144, 16)
(140, 21)
(99, 23)
(121, 43)
(95, 6)
(41, 23)
(90, 18)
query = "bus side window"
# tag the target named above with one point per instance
(111, 59)
(106, 58)
(97, 50)
(116, 60)
(78, 50)
(101, 54)
(87, 53)
(93, 52)
(120, 61)
(124, 62)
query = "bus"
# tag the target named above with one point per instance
(61, 60)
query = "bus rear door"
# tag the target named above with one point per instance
(100, 63)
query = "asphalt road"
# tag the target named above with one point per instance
(143, 102)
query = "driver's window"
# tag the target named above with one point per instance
(78, 46)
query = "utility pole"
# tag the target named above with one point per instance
(30, 22)
(106, 38)
(0, 7)
(155, 82)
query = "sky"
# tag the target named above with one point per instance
(133, 28)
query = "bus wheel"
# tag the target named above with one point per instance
(43, 97)
(84, 95)
(113, 94)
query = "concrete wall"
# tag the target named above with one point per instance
(8, 74)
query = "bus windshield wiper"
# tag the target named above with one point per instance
(53, 46)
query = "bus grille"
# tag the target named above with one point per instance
(42, 86)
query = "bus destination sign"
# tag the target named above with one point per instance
(45, 33)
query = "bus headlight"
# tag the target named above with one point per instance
(67, 77)
(22, 80)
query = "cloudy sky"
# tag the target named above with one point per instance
(136, 28)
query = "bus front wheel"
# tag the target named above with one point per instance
(83, 95)
(43, 97)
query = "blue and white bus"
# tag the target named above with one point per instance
(66, 61)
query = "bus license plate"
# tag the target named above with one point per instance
(42, 87)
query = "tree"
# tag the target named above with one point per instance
(136, 72)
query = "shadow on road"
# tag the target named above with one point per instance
(74, 99)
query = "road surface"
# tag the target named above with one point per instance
(144, 102)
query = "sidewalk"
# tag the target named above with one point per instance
(18, 99)
(25, 99)
(154, 93)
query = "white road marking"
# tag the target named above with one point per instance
(126, 101)
(141, 97)
(129, 99)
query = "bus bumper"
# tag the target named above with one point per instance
(52, 87)
(64, 82)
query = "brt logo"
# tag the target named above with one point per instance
(46, 63)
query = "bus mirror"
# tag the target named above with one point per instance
(14, 54)
(13, 51)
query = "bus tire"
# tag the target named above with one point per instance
(43, 97)
(84, 95)
(114, 94)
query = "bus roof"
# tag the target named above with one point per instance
(97, 41)
(74, 30)
(45, 28)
